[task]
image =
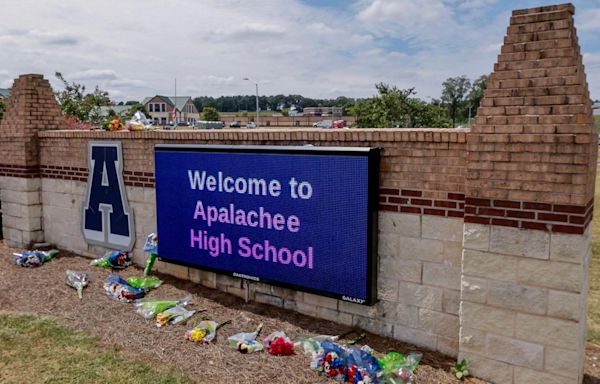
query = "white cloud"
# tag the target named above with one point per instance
(93, 74)
(476, 4)
(588, 20)
(286, 45)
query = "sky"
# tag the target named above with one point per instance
(316, 48)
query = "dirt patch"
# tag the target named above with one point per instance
(42, 291)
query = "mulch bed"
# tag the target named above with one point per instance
(42, 291)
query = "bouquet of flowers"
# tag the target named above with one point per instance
(120, 289)
(31, 259)
(174, 315)
(245, 342)
(204, 332)
(279, 344)
(113, 259)
(150, 247)
(77, 280)
(116, 125)
(150, 308)
(145, 283)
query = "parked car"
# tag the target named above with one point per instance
(339, 124)
(235, 124)
(251, 124)
(209, 125)
(323, 124)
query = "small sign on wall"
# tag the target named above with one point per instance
(107, 219)
(301, 217)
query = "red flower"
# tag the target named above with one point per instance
(281, 347)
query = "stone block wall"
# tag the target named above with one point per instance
(31, 108)
(529, 201)
(420, 220)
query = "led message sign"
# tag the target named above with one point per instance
(301, 217)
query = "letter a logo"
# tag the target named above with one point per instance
(107, 218)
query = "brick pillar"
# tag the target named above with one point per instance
(31, 108)
(529, 199)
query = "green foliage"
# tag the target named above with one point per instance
(461, 369)
(135, 108)
(274, 102)
(210, 114)
(394, 107)
(38, 350)
(454, 97)
(476, 93)
(2, 108)
(597, 119)
(285, 111)
(83, 106)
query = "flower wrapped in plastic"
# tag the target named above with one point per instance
(204, 331)
(149, 308)
(120, 289)
(174, 315)
(113, 259)
(362, 367)
(115, 125)
(279, 344)
(332, 362)
(145, 283)
(399, 369)
(32, 259)
(77, 280)
(150, 247)
(245, 342)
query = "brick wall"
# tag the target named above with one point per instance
(422, 196)
(31, 108)
(529, 201)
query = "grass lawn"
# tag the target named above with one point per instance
(38, 350)
(597, 118)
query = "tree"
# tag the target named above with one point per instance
(210, 114)
(135, 108)
(477, 91)
(454, 96)
(394, 107)
(76, 103)
(2, 109)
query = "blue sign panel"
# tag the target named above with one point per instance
(107, 219)
(303, 217)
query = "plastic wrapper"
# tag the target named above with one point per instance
(113, 259)
(309, 347)
(174, 315)
(279, 344)
(249, 346)
(204, 331)
(138, 122)
(332, 362)
(32, 259)
(245, 342)
(77, 280)
(115, 125)
(149, 308)
(399, 369)
(362, 367)
(145, 283)
(120, 289)
(150, 247)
